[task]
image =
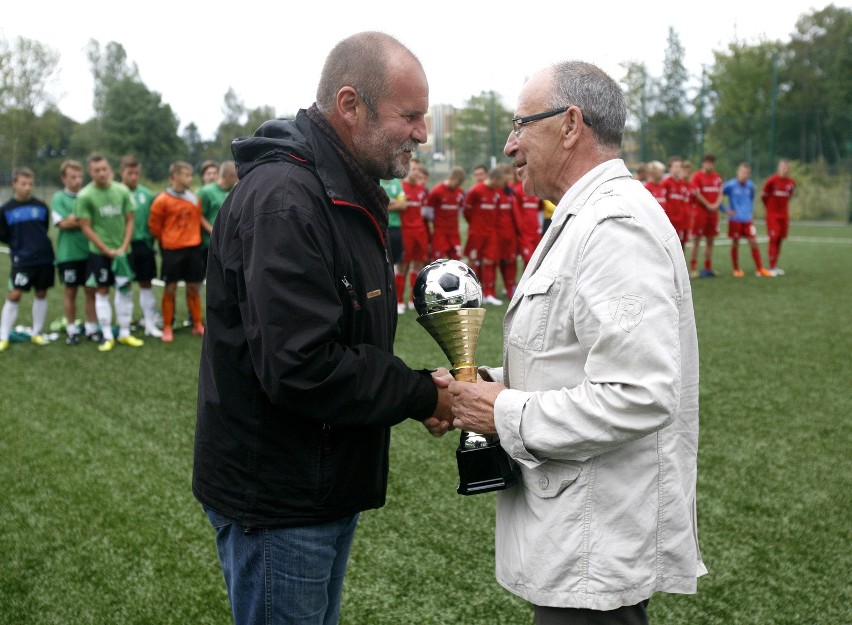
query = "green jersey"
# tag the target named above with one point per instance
(106, 208)
(142, 198)
(394, 190)
(71, 244)
(212, 197)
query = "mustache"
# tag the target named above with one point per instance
(408, 146)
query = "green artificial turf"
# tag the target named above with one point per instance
(98, 524)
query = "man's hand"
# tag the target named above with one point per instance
(473, 405)
(441, 420)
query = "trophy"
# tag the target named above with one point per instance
(448, 299)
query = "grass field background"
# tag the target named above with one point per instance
(98, 524)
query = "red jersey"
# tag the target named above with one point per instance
(447, 203)
(412, 216)
(528, 222)
(480, 209)
(776, 194)
(708, 185)
(677, 201)
(507, 213)
(658, 191)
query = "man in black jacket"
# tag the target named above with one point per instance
(298, 384)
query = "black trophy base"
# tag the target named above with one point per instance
(484, 469)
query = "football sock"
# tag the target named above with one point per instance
(774, 251)
(735, 257)
(39, 314)
(148, 306)
(755, 254)
(400, 287)
(193, 302)
(8, 318)
(168, 309)
(91, 327)
(123, 311)
(489, 276)
(509, 271)
(412, 278)
(693, 263)
(71, 329)
(708, 264)
(104, 312)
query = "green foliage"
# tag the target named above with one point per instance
(136, 121)
(100, 526)
(764, 100)
(480, 131)
(741, 81)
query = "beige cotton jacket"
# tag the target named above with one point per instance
(601, 410)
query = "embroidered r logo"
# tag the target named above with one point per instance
(627, 311)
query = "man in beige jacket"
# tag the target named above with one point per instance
(597, 399)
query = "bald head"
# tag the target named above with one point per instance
(363, 61)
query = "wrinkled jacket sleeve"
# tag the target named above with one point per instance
(292, 309)
(625, 314)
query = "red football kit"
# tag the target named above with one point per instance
(528, 223)
(507, 231)
(480, 210)
(705, 223)
(415, 234)
(658, 191)
(446, 203)
(677, 206)
(776, 194)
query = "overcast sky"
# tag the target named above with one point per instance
(271, 53)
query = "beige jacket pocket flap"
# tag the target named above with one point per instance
(539, 285)
(551, 478)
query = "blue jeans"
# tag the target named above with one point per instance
(284, 576)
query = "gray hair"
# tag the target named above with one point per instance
(361, 62)
(596, 94)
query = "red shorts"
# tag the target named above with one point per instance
(507, 246)
(777, 226)
(527, 246)
(705, 223)
(446, 245)
(415, 246)
(741, 230)
(481, 247)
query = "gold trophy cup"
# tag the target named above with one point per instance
(448, 298)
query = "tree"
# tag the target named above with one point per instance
(741, 78)
(480, 130)
(27, 69)
(671, 123)
(135, 120)
(195, 145)
(816, 119)
(238, 122)
(109, 66)
(638, 90)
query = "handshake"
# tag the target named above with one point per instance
(462, 405)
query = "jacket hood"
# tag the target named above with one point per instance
(275, 140)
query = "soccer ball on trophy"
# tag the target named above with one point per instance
(446, 285)
(448, 299)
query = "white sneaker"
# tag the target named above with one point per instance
(400, 309)
(410, 305)
(154, 331)
(777, 271)
(493, 301)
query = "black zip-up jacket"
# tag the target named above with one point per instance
(298, 385)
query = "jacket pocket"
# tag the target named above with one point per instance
(530, 321)
(551, 478)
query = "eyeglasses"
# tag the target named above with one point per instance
(518, 122)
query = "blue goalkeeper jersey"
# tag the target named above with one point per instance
(23, 225)
(740, 199)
